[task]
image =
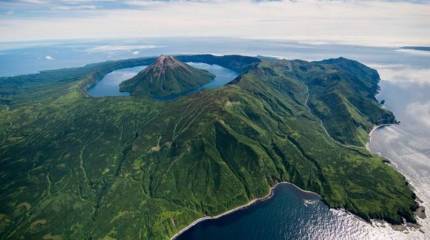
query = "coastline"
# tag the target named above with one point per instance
(376, 127)
(269, 195)
(420, 211)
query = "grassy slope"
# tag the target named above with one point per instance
(131, 168)
(342, 95)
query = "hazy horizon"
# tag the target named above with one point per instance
(370, 23)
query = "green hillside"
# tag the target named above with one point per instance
(77, 167)
(167, 77)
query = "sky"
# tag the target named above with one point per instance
(364, 22)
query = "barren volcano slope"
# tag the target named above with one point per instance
(131, 168)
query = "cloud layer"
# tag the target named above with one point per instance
(421, 111)
(348, 21)
(105, 48)
(403, 75)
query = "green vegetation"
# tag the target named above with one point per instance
(76, 167)
(167, 77)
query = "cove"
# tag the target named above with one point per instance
(289, 209)
(290, 213)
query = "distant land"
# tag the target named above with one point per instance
(419, 48)
(74, 166)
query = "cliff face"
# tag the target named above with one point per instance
(166, 77)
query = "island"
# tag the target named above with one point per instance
(74, 166)
(418, 48)
(166, 78)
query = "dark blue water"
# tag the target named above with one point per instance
(290, 214)
(109, 85)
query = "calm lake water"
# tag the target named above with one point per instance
(109, 85)
(290, 213)
(222, 75)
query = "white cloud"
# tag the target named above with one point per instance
(112, 48)
(414, 52)
(47, 57)
(403, 75)
(421, 112)
(391, 135)
(33, 1)
(358, 22)
(74, 7)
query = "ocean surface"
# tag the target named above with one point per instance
(290, 213)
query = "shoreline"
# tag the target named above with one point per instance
(420, 211)
(376, 127)
(268, 196)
